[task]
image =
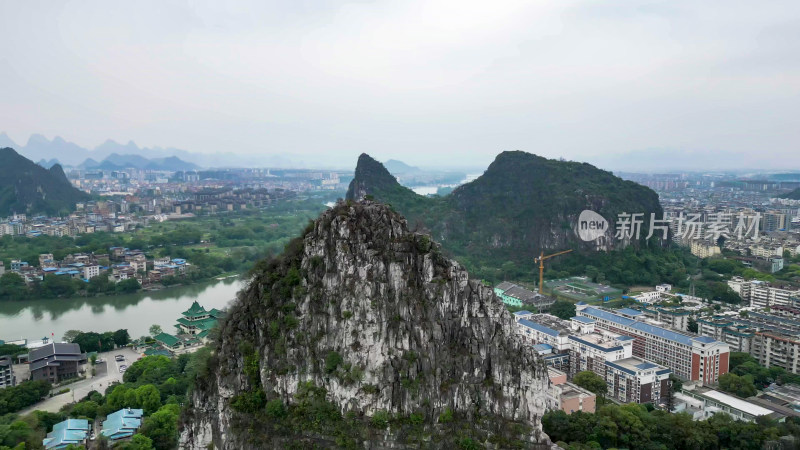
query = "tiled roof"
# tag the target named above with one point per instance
(582, 319)
(641, 326)
(538, 327)
(168, 339)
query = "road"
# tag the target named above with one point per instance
(107, 373)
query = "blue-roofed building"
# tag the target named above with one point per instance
(688, 356)
(634, 380)
(542, 330)
(70, 431)
(591, 351)
(122, 424)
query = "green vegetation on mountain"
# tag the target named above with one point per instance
(28, 188)
(793, 195)
(523, 204)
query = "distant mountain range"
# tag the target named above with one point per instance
(39, 148)
(26, 187)
(414, 176)
(521, 205)
(116, 161)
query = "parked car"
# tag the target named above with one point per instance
(120, 358)
(123, 368)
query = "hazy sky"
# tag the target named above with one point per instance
(426, 82)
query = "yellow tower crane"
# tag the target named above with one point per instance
(540, 259)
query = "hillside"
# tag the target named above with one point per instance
(521, 205)
(26, 187)
(362, 335)
(793, 195)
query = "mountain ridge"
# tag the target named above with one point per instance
(361, 324)
(26, 187)
(521, 205)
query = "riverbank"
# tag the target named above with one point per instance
(34, 319)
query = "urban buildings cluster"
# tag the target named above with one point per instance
(120, 264)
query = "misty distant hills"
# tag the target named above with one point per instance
(69, 154)
(26, 187)
(396, 167)
(414, 176)
(115, 161)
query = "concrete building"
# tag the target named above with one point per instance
(55, 362)
(90, 272)
(738, 336)
(760, 294)
(777, 349)
(567, 396)
(7, 372)
(703, 249)
(634, 380)
(691, 358)
(514, 295)
(592, 351)
(702, 403)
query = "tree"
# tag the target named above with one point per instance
(121, 337)
(162, 427)
(137, 442)
(127, 286)
(591, 382)
(563, 309)
(148, 398)
(692, 325)
(70, 335)
(12, 287)
(155, 330)
(742, 386)
(86, 409)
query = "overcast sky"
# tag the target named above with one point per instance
(427, 82)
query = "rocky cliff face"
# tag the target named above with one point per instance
(363, 335)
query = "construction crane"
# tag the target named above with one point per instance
(540, 259)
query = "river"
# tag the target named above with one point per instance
(35, 319)
(434, 188)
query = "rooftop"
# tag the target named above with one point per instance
(634, 365)
(734, 402)
(641, 326)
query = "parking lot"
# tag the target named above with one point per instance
(106, 374)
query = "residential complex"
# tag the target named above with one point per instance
(692, 358)
(761, 294)
(575, 346)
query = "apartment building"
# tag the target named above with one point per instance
(738, 336)
(675, 318)
(634, 380)
(704, 249)
(6, 372)
(592, 351)
(760, 294)
(569, 397)
(777, 349)
(692, 358)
